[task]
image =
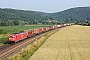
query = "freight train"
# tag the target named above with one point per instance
(15, 37)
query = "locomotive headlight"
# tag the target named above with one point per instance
(11, 39)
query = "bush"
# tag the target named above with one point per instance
(4, 40)
(3, 32)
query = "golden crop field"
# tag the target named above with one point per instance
(69, 43)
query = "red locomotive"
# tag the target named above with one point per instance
(17, 37)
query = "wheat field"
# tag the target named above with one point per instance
(69, 43)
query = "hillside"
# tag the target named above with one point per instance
(16, 17)
(26, 16)
(74, 14)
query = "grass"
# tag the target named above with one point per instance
(69, 43)
(29, 50)
(1, 44)
(13, 29)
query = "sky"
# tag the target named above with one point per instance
(49, 6)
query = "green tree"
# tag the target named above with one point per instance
(16, 22)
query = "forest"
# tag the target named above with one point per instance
(11, 17)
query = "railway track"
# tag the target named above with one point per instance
(9, 50)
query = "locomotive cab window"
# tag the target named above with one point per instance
(12, 36)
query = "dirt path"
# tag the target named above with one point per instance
(70, 43)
